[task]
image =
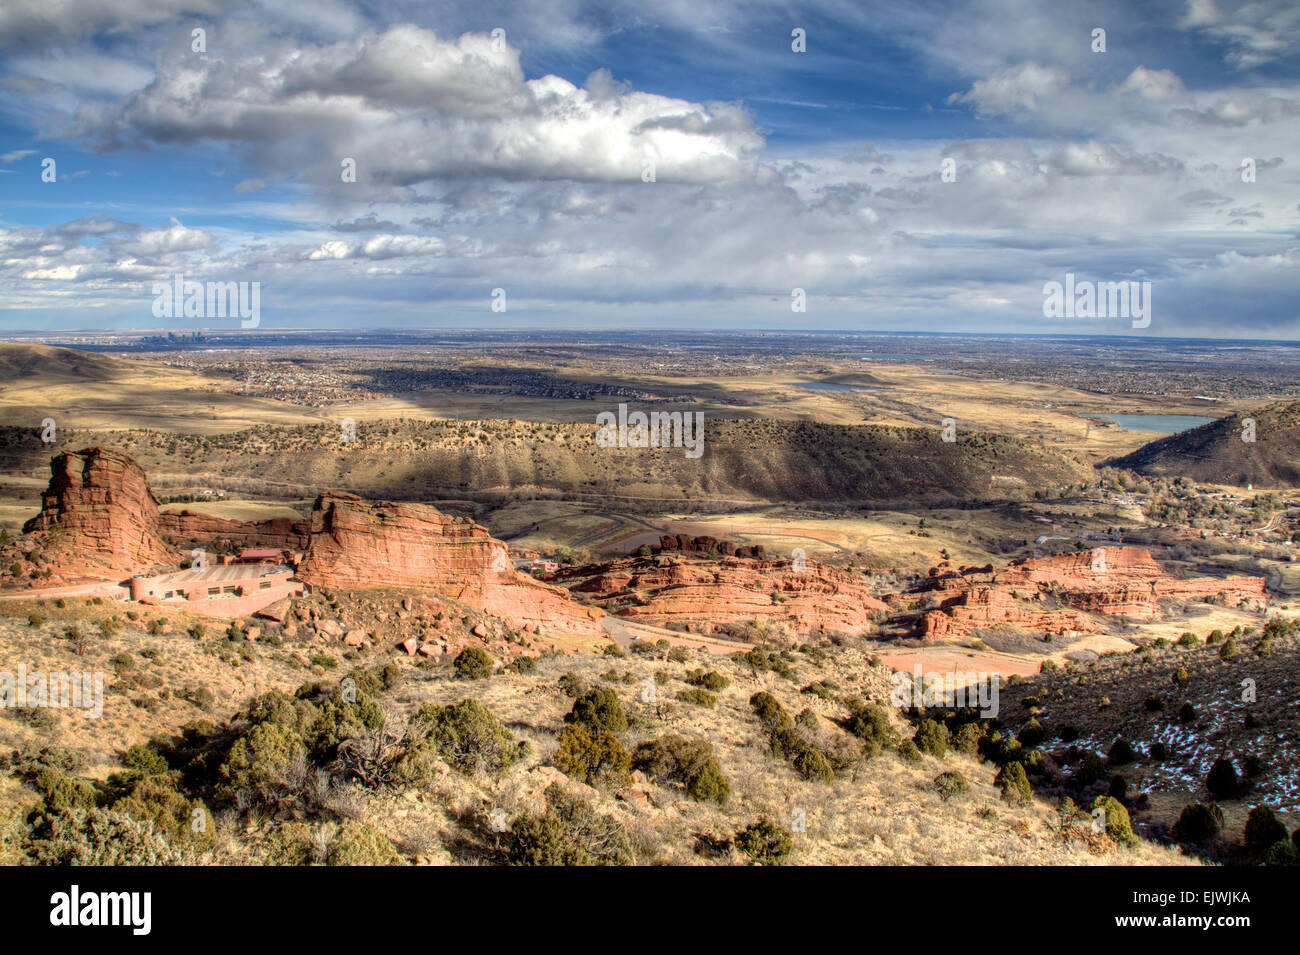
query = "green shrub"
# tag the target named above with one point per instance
(62, 792)
(769, 711)
(1263, 829)
(871, 723)
(710, 680)
(1180, 676)
(473, 663)
(1188, 640)
(1013, 782)
(1229, 650)
(909, 752)
(569, 833)
(470, 738)
(812, 764)
(594, 756)
(523, 665)
(144, 760)
(183, 821)
(1198, 823)
(1281, 853)
(598, 710)
(360, 844)
(708, 784)
(544, 841)
(1222, 782)
(268, 758)
(951, 784)
(1032, 733)
(967, 739)
(1121, 753)
(698, 696)
(289, 844)
(100, 837)
(765, 842)
(675, 758)
(932, 737)
(1118, 825)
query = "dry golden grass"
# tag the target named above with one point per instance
(882, 811)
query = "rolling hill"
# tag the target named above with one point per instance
(1221, 453)
(745, 460)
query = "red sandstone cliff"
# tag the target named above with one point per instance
(1125, 581)
(731, 590)
(98, 516)
(186, 527)
(356, 543)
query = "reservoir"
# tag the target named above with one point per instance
(1159, 423)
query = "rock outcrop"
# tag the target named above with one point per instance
(707, 546)
(281, 533)
(356, 544)
(1061, 593)
(98, 516)
(667, 589)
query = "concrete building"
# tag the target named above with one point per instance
(226, 590)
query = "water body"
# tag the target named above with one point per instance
(1159, 423)
(829, 386)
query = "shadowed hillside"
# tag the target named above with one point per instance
(747, 460)
(1216, 453)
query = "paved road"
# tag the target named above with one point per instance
(110, 590)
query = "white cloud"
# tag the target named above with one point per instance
(409, 107)
(1014, 90)
(1154, 84)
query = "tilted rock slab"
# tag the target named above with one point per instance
(357, 543)
(99, 516)
(808, 596)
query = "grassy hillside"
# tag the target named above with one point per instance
(1160, 718)
(743, 460)
(1216, 453)
(568, 759)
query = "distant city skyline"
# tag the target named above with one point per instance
(901, 167)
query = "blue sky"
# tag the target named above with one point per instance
(518, 160)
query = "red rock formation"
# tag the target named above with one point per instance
(991, 606)
(703, 546)
(98, 516)
(731, 590)
(1110, 581)
(185, 527)
(355, 543)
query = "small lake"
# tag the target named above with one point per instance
(1159, 423)
(891, 356)
(828, 386)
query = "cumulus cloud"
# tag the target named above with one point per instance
(476, 169)
(409, 106)
(1153, 84)
(1014, 90)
